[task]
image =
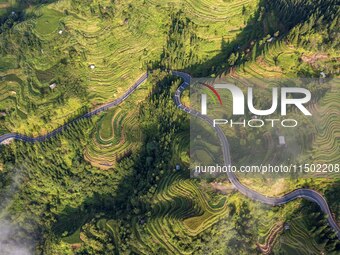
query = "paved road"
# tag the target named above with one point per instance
(308, 194)
(102, 108)
(299, 193)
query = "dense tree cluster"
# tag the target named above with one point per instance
(181, 46)
(56, 193)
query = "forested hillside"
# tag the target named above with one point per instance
(119, 183)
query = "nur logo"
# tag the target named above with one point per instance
(239, 99)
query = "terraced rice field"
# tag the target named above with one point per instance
(271, 237)
(117, 132)
(265, 65)
(181, 145)
(327, 142)
(325, 109)
(179, 209)
(279, 62)
(117, 39)
(296, 240)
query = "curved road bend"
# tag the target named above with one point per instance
(102, 108)
(299, 193)
(308, 194)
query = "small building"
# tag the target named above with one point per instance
(286, 226)
(282, 140)
(270, 39)
(92, 66)
(60, 32)
(53, 85)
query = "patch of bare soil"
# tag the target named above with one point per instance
(75, 246)
(267, 247)
(4, 5)
(221, 187)
(311, 59)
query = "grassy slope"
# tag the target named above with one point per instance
(119, 49)
(119, 46)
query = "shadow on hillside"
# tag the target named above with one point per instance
(120, 207)
(218, 65)
(17, 12)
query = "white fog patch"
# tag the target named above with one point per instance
(8, 243)
(11, 242)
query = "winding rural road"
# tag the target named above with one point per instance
(308, 194)
(53, 133)
(274, 201)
